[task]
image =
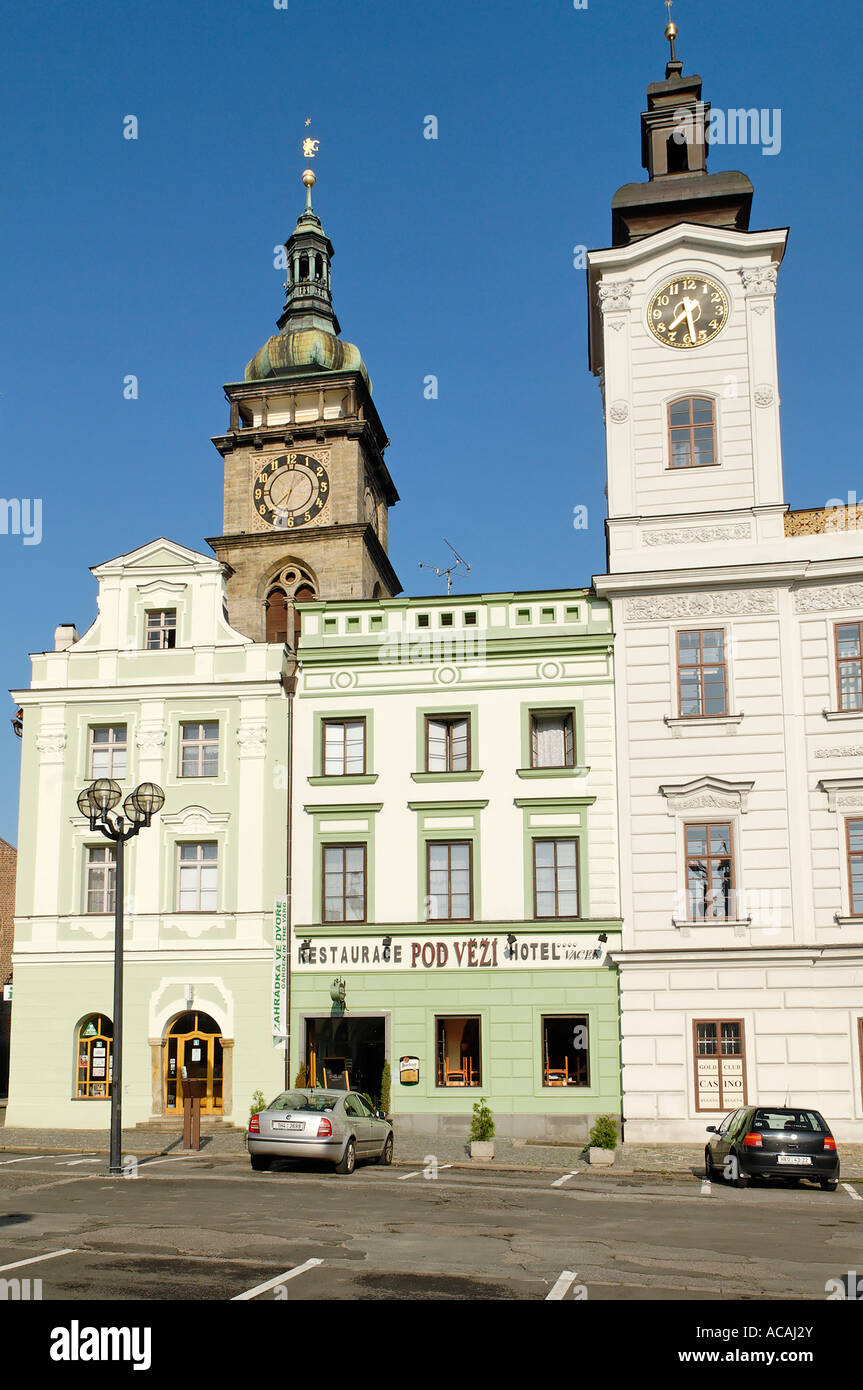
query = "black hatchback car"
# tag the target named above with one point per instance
(773, 1141)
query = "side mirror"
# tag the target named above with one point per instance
(711, 1129)
(380, 1114)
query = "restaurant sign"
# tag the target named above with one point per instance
(469, 952)
(280, 968)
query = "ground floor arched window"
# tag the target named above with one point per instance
(94, 1058)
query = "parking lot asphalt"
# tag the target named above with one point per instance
(206, 1228)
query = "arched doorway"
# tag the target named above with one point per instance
(193, 1041)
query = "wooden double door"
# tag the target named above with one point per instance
(193, 1041)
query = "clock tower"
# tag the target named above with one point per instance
(307, 491)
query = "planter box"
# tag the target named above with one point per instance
(601, 1158)
(483, 1150)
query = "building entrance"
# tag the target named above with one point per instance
(193, 1041)
(346, 1053)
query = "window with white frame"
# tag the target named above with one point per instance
(199, 750)
(551, 738)
(107, 757)
(101, 877)
(198, 877)
(344, 747)
(161, 631)
(447, 743)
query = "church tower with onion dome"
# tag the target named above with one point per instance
(307, 491)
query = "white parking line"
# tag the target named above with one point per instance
(271, 1283)
(850, 1190)
(403, 1177)
(706, 1187)
(32, 1159)
(567, 1278)
(35, 1260)
(74, 1162)
(558, 1182)
(183, 1158)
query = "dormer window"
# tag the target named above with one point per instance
(691, 432)
(161, 629)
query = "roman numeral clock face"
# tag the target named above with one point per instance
(291, 490)
(687, 312)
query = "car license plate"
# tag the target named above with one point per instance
(794, 1158)
(288, 1124)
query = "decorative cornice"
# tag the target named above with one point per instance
(699, 535)
(759, 279)
(150, 738)
(196, 818)
(252, 738)
(842, 792)
(708, 792)
(742, 602)
(51, 746)
(613, 296)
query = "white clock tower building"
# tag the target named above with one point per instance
(739, 667)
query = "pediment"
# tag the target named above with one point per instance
(708, 793)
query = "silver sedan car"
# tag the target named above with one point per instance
(336, 1126)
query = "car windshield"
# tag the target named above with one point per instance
(808, 1121)
(304, 1100)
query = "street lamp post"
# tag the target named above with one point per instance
(97, 802)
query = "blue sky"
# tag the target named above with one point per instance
(453, 258)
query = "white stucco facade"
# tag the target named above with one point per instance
(715, 548)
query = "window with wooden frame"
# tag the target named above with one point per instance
(691, 432)
(702, 682)
(94, 1045)
(555, 878)
(198, 877)
(343, 747)
(344, 883)
(720, 1064)
(849, 665)
(199, 750)
(566, 1050)
(860, 1040)
(161, 631)
(552, 741)
(107, 757)
(854, 834)
(710, 871)
(449, 880)
(447, 743)
(459, 1061)
(101, 878)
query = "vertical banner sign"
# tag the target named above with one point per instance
(281, 955)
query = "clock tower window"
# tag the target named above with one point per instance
(692, 432)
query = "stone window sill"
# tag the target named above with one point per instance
(841, 714)
(578, 771)
(706, 922)
(467, 776)
(359, 779)
(703, 721)
(848, 921)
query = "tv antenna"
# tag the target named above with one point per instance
(453, 569)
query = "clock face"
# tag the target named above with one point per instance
(291, 490)
(687, 312)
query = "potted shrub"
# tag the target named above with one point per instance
(603, 1141)
(300, 1081)
(482, 1131)
(386, 1088)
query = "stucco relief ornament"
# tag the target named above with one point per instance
(252, 738)
(759, 279)
(849, 750)
(51, 745)
(619, 412)
(151, 740)
(763, 395)
(824, 598)
(747, 602)
(614, 296)
(699, 535)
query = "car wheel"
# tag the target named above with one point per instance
(386, 1153)
(828, 1184)
(709, 1170)
(743, 1179)
(348, 1161)
(260, 1163)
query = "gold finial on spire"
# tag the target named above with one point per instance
(310, 149)
(671, 30)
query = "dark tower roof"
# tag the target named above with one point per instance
(674, 152)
